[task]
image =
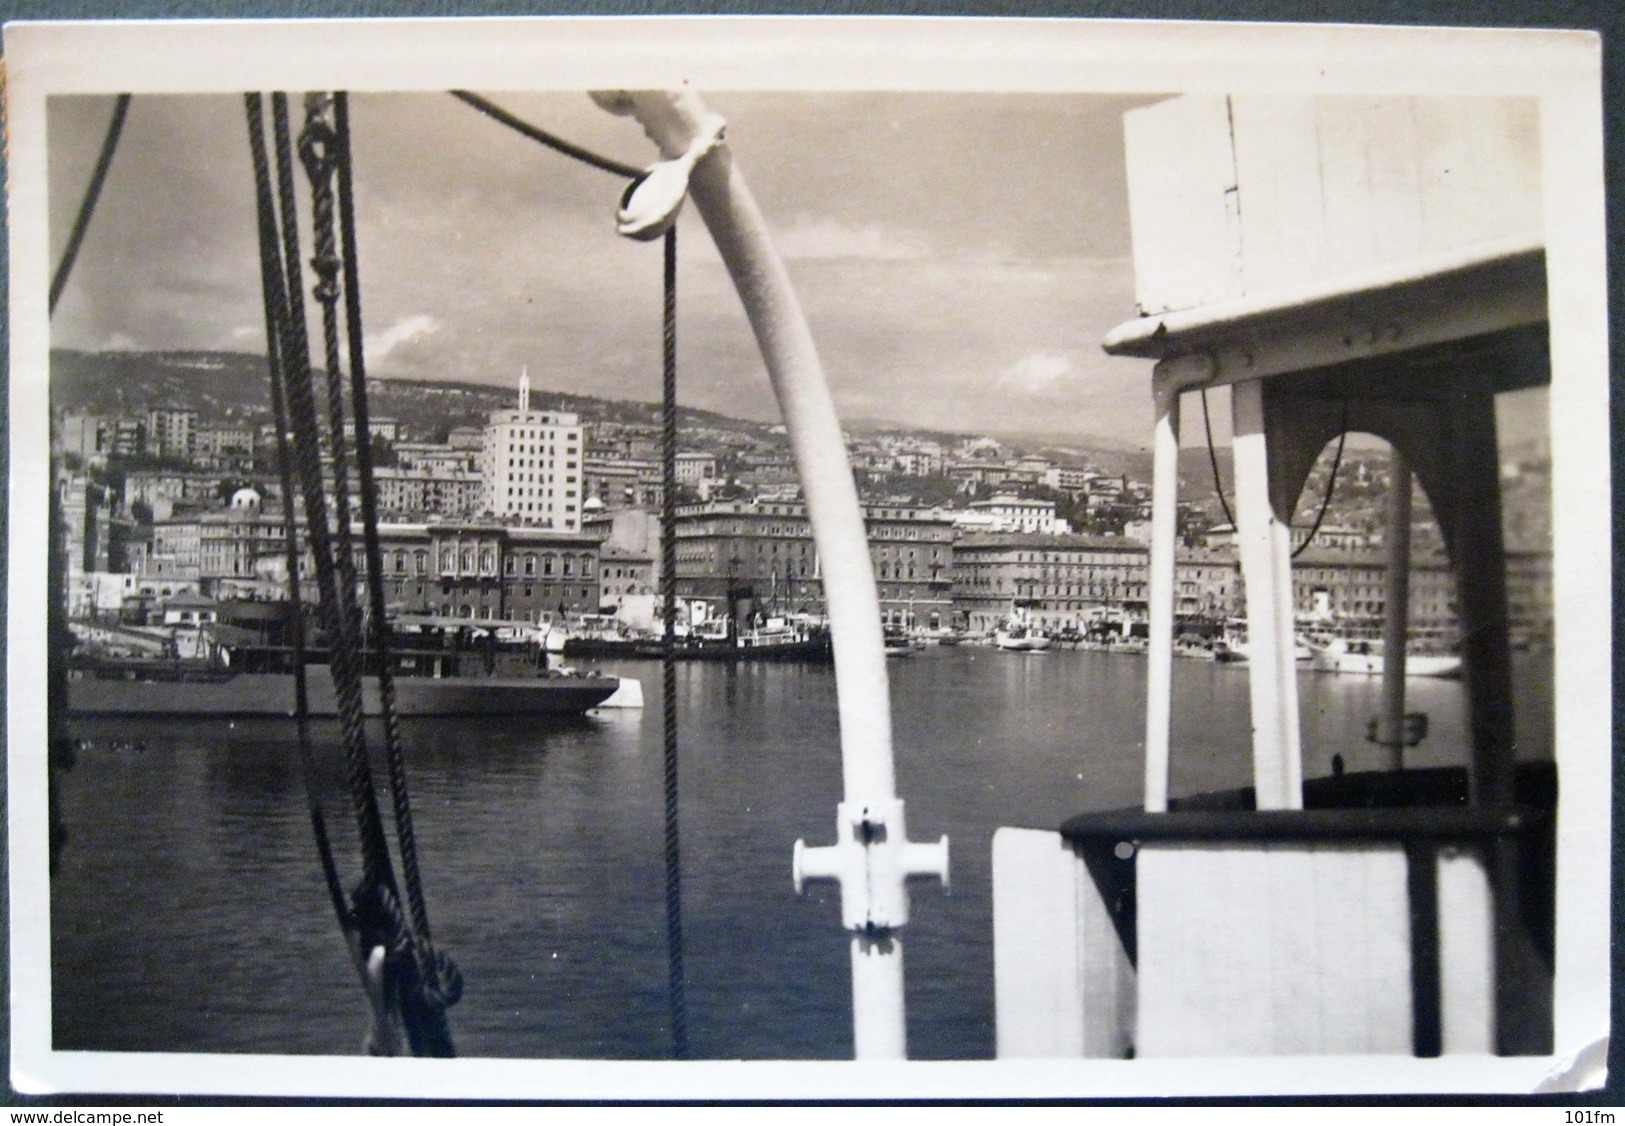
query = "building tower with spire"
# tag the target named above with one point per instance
(532, 465)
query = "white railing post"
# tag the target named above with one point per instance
(1266, 566)
(872, 857)
(1396, 609)
(1160, 648)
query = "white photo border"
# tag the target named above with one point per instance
(1562, 69)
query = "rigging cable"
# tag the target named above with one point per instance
(1213, 460)
(676, 989)
(378, 876)
(1331, 483)
(87, 207)
(275, 295)
(675, 985)
(437, 973)
(557, 144)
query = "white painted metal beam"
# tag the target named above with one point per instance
(1266, 564)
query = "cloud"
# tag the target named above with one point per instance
(415, 327)
(826, 238)
(1038, 373)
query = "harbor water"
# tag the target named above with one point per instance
(188, 912)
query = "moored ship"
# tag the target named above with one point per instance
(126, 689)
(440, 668)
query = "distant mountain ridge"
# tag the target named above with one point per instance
(234, 386)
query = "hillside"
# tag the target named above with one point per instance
(233, 386)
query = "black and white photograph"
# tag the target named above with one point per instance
(692, 558)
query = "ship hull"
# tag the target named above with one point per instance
(272, 694)
(1371, 664)
(1028, 644)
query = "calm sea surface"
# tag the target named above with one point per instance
(188, 912)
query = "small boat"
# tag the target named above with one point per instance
(1232, 646)
(1364, 656)
(897, 643)
(1017, 635)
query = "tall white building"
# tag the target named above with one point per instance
(532, 465)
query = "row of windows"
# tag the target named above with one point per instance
(453, 559)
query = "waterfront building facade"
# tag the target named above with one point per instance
(762, 553)
(1067, 582)
(489, 572)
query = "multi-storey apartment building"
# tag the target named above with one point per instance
(1347, 583)
(225, 446)
(455, 495)
(532, 465)
(172, 432)
(1020, 514)
(619, 483)
(433, 457)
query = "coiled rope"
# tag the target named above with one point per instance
(675, 977)
(439, 975)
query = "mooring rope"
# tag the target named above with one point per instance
(556, 143)
(87, 207)
(675, 985)
(274, 289)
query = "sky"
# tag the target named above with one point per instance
(958, 256)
